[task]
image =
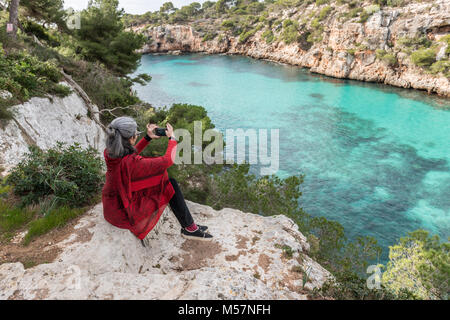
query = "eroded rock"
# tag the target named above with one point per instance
(110, 263)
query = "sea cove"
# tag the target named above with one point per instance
(376, 158)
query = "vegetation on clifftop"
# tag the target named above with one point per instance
(30, 63)
(303, 23)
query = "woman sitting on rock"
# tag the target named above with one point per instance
(137, 189)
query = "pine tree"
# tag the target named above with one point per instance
(103, 38)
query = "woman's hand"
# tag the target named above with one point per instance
(151, 131)
(169, 131)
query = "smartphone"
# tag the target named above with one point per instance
(160, 132)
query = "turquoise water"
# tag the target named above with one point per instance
(376, 158)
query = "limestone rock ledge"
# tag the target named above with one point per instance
(43, 122)
(245, 261)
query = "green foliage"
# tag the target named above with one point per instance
(102, 37)
(446, 39)
(424, 57)
(421, 264)
(25, 76)
(244, 36)
(12, 218)
(228, 24)
(236, 188)
(321, 2)
(56, 218)
(268, 36)
(414, 43)
(351, 51)
(48, 11)
(386, 57)
(349, 286)
(442, 66)
(40, 32)
(290, 31)
(364, 16)
(324, 12)
(63, 175)
(209, 36)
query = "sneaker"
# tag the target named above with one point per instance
(196, 235)
(202, 228)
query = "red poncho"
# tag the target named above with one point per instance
(137, 189)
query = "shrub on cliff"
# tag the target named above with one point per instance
(386, 57)
(268, 36)
(62, 175)
(25, 76)
(442, 66)
(421, 264)
(423, 57)
(290, 31)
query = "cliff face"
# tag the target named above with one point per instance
(347, 50)
(43, 122)
(246, 260)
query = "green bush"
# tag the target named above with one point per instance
(244, 36)
(324, 12)
(290, 31)
(423, 57)
(228, 24)
(209, 36)
(364, 16)
(421, 264)
(268, 36)
(351, 51)
(386, 57)
(415, 42)
(442, 66)
(63, 175)
(40, 32)
(26, 76)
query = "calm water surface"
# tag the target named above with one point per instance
(376, 158)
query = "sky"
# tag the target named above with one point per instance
(132, 6)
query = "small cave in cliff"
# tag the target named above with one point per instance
(186, 47)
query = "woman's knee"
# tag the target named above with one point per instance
(174, 182)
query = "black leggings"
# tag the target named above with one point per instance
(179, 207)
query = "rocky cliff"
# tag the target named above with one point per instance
(43, 122)
(347, 49)
(251, 257)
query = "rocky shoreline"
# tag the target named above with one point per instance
(347, 50)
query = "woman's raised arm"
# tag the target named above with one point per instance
(147, 166)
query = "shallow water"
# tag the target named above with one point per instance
(376, 158)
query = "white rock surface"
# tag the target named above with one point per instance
(43, 122)
(244, 261)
